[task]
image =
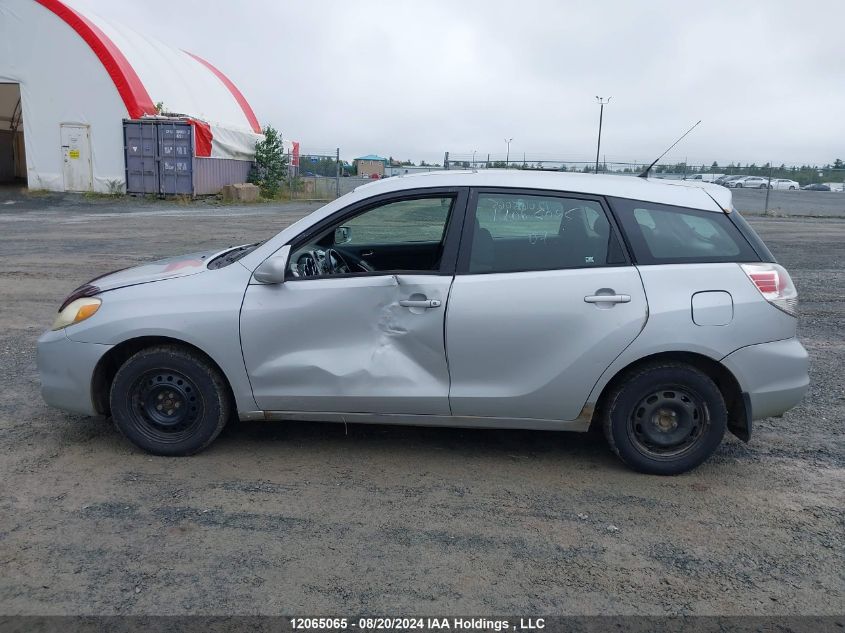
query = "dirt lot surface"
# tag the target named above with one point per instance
(810, 203)
(307, 518)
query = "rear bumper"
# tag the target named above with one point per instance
(774, 375)
(66, 368)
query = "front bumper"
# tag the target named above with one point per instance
(66, 368)
(774, 375)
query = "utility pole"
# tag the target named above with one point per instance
(601, 101)
(508, 155)
(446, 160)
(473, 157)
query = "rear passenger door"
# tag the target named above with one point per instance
(543, 300)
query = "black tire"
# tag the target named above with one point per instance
(792, 188)
(763, 186)
(169, 400)
(738, 186)
(672, 434)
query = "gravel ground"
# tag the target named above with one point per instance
(306, 517)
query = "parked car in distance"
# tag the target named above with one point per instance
(816, 186)
(648, 309)
(835, 186)
(784, 183)
(704, 177)
(749, 182)
(728, 181)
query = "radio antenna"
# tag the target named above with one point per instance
(648, 169)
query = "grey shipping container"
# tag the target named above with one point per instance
(211, 174)
(160, 160)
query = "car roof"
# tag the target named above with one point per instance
(685, 193)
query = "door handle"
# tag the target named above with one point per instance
(607, 298)
(420, 303)
(367, 253)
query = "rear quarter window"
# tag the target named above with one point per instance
(665, 234)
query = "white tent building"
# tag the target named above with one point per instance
(68, 81)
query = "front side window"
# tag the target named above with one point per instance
(664, 234)
(399, 236)
(511, 233)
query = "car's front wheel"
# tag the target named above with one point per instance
(738, 186)
(792, 188)
(664, 418)
(170, 400)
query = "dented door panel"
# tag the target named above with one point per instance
(345, 344)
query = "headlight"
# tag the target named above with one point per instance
(76, 311)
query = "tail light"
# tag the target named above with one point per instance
(775, 285)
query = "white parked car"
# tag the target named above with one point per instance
(749, 182)
(704, 177)
(784, 183)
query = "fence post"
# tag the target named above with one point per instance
(291, 174)
(337, 173)
(768, 188)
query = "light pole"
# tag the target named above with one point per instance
(508, 155)
(473, 157)
(602, 103)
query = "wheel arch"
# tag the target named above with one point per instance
(107, 366)
(739, 414)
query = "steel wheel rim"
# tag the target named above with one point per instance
(165, 406)
(668, 422)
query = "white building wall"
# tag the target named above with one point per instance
(62, 81)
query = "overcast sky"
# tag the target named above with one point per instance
(414, 79)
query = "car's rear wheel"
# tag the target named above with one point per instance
(763, 186)
(170, 400)
(664, 418)
(738, 186)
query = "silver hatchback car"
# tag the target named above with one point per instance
(501, 299)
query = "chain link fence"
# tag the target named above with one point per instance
(831, 175)
(324, 176)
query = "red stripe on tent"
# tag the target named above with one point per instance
(135, 97)
(250, 115)
(202, 138)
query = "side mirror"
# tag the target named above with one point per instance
(273, 269)
(342, 235)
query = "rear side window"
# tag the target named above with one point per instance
(515, 233)
(664, 234)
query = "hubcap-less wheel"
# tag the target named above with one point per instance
(664, 417)
(166, 405)
(667, 423)
(170, 400)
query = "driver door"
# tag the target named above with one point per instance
(358, 324)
